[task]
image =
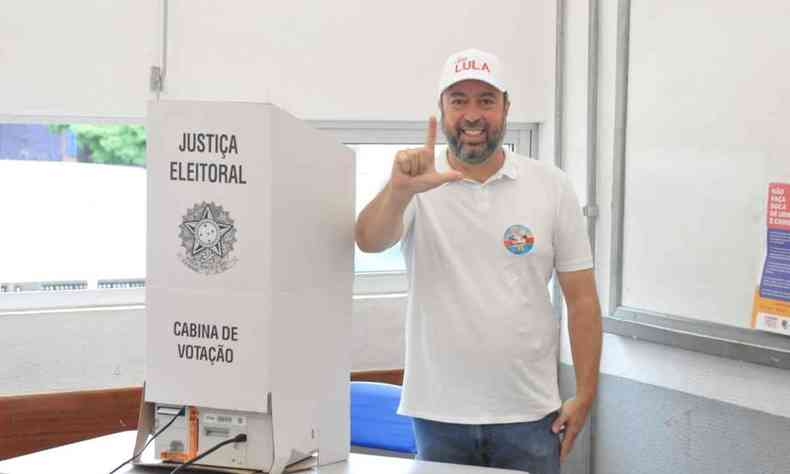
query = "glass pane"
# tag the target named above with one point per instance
(74, 205)
(374, 164)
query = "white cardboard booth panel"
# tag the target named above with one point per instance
(250, 271)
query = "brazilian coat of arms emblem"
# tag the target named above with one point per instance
(207, 235)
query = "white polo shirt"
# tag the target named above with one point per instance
(481, 338)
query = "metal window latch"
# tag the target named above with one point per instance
(590, 210)
(156, 80)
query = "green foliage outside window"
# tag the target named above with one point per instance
(108, 144)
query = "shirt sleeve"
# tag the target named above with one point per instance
(571, 243)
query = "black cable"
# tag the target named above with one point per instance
(240, 438)
(181, 412)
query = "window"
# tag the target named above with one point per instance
(373, 167)
(74, 212)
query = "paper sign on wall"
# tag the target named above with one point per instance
(771, 309)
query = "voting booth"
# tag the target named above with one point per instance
(249, 284)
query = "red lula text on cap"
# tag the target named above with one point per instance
(464, 64)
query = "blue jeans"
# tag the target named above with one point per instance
(529, 446)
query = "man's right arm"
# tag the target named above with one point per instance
(380, 224)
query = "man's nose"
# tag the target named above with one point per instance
(473, 115)
(473, 120)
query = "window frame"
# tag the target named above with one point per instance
(701, 336)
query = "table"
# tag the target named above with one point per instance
(100, 455)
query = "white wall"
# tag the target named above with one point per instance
(81, 57)
(354, 59)
(82, 350)
(574, 102)
(350, 60)
(71, 350)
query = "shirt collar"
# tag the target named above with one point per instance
(509, 166)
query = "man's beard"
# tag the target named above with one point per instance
(471, 155)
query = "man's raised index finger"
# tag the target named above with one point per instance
(430, 139)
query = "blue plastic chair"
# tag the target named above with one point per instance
(374, 421)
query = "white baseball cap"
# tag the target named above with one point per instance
(472, 64)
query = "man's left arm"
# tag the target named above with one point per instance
(585, 328)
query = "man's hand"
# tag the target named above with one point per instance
(380, 224)
(572, 416)
(414, 169)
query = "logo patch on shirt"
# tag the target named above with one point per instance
(519, 240)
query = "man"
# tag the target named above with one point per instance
(483, 229)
